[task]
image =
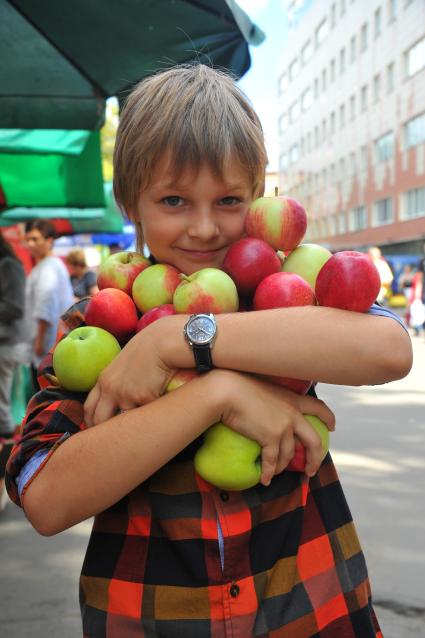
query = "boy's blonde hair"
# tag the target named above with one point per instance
(191, 114)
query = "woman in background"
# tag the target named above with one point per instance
(83, 280)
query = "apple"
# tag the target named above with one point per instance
(80, 357)
(228, 460)
(248, 261)
(348, 280)
(113, 310)
(281, 290)
(154, 314)
(300, 386)
(206, 290)
(120, 270)
(279, 221)
(181, 377)
(306, 261)
(155, 286)
(298, 461)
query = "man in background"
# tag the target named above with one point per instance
(48, 291)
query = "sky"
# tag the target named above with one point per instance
(260, 82)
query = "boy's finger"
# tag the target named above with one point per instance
(269, 456)
(318, 408)
(105, 409)
(90, 405)
(312, 443)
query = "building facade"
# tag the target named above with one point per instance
(352, 121)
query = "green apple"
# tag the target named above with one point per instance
(228, 459)
(306, 261)
(80, 357)
(155, 286)
(206, 290)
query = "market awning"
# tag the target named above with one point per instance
(61, 60)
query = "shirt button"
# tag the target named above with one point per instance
(234, 590)
(224, 496)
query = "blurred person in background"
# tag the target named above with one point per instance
(405, 280)
(48, 293)
(384, 270)
(416, 308)
(12, 334)
(83, 280)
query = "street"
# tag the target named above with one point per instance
(379, 451)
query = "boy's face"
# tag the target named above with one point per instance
(191, 222)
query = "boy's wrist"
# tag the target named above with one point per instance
(174, 349)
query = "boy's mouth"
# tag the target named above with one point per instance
(202, 254)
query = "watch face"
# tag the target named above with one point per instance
(201, 329)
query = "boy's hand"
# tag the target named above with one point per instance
(136, 376)
(273, 416)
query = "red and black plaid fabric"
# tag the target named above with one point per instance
(293, 565)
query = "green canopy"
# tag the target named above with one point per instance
(61, 60)
(54, 168)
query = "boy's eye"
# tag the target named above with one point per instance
(173, 200)
(229, 201)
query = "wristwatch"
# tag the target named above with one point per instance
(200, 332)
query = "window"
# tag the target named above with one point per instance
(283, 83)
(358, 218)
(294, 68)
(309, 141)
(352, 107)
(352, 163)
(332, 175)
(353, 48)
(323, 130)
(302, 147)
(384, 147)
(342, 222)
(383, 212)
(342, 116)
(376, 87)
(415, 58)
(332, 123)
(414, 204)
(332, 225)
(414, 131)
(378, 22)
(307, 99)
(363, 98)
(392, 10)
(321, 32)
(341, 169)
(363, 38)
(324, 80)
(333, 15)
(332, 70)
(283, 122)
(283, 161)
(294, 154)
(294, 111)
(363, 158)
(390, 77)
(316, 136)
(342, 61)
(306, 52)
(342, 8)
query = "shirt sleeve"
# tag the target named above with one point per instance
(53, 414)
(12, 290)
(376, 309)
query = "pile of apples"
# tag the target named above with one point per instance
(268, 268)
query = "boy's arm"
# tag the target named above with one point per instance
(93, 469)
(321, 344)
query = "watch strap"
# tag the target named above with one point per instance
(203, 359)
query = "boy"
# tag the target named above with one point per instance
(171, 555)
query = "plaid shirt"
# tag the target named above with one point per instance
(293, 566)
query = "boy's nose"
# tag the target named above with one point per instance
(203, 224)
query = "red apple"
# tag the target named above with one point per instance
(120, 270)
(248, 261)
(280, 221)
(348, 280)
(281, 290)
(155, 286)
(114, 311)
(206, 290)
(298, 461)
(300, 386)
(155, 313)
